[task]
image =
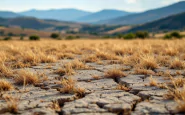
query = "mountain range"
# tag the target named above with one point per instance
(34, 23)
(148, 16)
(156, 19)
(56, 14)
(108, 16)
(7, 14)
(102, 15)
(174, 22)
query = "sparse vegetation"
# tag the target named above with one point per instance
(122, 87)
(173, 35)
(24, 77)
(142, 34)
(12, 104)
(7, 38)
(114, 73)
(153, 82)
(55, 35)
(34, 37)
(177, 64)
(69, 87)
(129, 36)
(5, 85)
(140, 57)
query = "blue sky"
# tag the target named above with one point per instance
(89, 5)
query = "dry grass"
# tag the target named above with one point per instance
(65, 71)
(65, 56)
(24, 77)
(55, 106)
(5, 71)
(179, 96)
(106, 56)
(114, 73)
(96, 77)
(90, 58)
(122, 87)
(177, 64)
(144, 72)
(177, 82)
(77, 64)
(12, 104)
(130, 60)
(148, 62)
(142, 56)
(69, 87)
(153, 82)
(163, 60)
(5, 85)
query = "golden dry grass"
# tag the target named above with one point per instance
(153, 82)
(12, 104)
(144, 72)
(77, 64)
(24, 77)
(122, 87)
(177, 64)
(147, 62)
(5, 71)
(69, 87)
(114, 73)
(5, 85)
(142, 56)
(179, 97)
(65, 71)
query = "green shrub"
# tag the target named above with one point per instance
(77, 37)
(167, 36)
(142, 34)
(120, 36)
(7, 38)
(129, 36)
(10, 34)
(175, 35)
(70, 37)
(54, 35)
(34, 37)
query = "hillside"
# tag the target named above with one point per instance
(175, 22)
(34, 23)
(148, 16)
(102, 15)
(56, 14)
(53, 25)
(6, 14)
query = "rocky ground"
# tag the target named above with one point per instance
(102, 97)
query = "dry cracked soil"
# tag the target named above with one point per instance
(102, 97)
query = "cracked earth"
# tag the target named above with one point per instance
(102, 97)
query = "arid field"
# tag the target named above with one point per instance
(92, 77)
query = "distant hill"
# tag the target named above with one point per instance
(53, 25)
(148, 16)
(102, 15)
(56, 14)
(175, 22)
(34, 23)
(6, 14)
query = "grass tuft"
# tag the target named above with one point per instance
(24, 77)
(114, 73)
(5, 85)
